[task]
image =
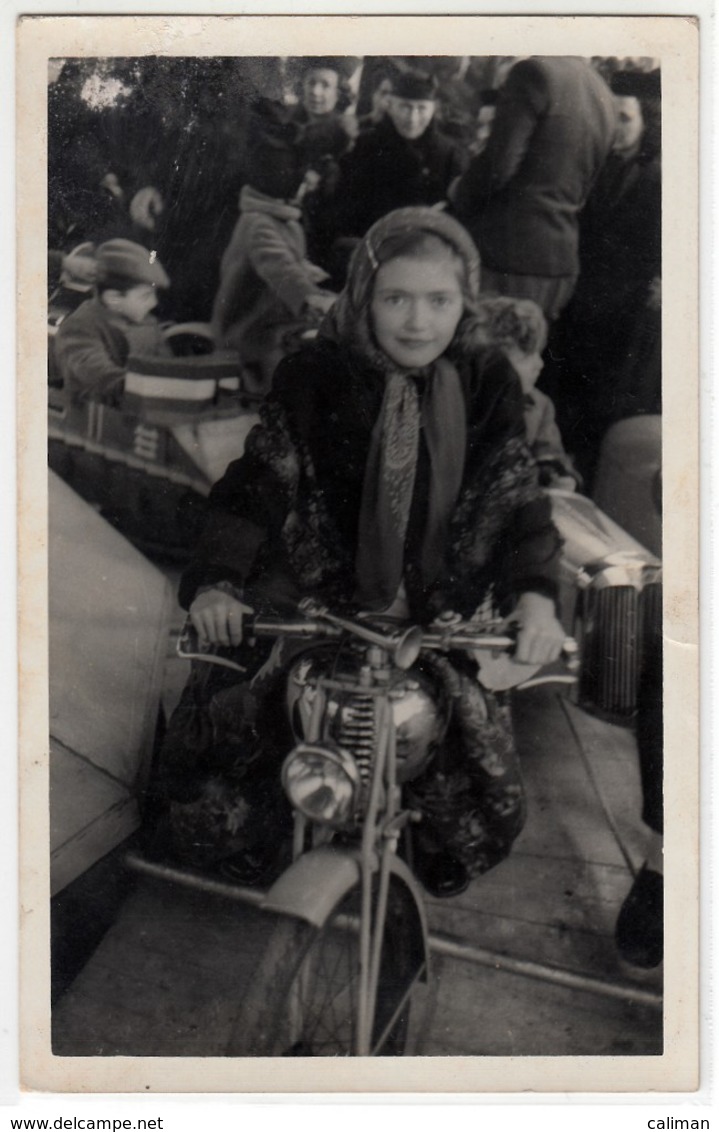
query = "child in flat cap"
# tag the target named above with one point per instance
(93, 344)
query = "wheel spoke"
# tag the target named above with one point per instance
(331, 1015)
(305, 999)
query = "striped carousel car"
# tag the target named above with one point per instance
(148, 464)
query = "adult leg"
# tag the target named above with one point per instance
(639, 931)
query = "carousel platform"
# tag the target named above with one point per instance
(524, 961)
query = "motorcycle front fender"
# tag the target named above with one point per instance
(314, 884)
(318, 880)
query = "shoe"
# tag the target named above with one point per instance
(639, 932)
(441, 874)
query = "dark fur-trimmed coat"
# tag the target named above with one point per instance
(385, 171)
(283, 520)
(283, 523)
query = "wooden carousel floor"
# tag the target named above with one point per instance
(167, 977)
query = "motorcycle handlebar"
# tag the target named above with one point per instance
(404, 645)
(271, 627)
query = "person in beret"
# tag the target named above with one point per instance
(92, 344)
(402, 161)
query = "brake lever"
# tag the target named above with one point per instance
(569, 652)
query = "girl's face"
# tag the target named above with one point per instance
(416, 307)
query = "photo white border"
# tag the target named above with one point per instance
(684, 602)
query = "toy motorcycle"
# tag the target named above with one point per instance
(349, 938)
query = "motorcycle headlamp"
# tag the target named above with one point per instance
(322, 782)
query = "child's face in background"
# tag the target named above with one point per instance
(416, 307)
(320, 90)
(528, 366)
(134, 304)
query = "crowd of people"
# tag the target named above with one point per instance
(461, 231)
(252, 180)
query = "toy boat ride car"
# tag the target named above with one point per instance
(148, 462)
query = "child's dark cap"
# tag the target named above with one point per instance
(123, 259)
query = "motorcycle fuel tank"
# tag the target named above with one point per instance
(346, 714)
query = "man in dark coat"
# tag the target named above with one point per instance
(521, 197)
(611, 331)
(402, 161)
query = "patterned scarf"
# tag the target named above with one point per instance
(390, 476)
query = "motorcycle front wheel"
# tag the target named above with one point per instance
(303, 1000)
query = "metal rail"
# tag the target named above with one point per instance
(575, 980)
(439, 942)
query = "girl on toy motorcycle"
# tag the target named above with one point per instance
(389, 473)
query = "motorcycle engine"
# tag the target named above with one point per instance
(419, 707)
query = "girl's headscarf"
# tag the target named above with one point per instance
(349, 321)
(439, 409)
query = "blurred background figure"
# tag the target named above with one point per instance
(321, 86)
(518, 329)
(502, 65)
(610, 336)
(610, 65)
(152, 150)
(268, 287)
(326, 131)
(86, 198)
(456, 95)
(522, 196)
(193, 177)
(484, 121)
(379, 84)
(403, 160)
(639, 931)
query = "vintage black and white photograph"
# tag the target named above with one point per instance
(354, 546)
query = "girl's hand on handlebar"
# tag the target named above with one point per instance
(541, 636)
(217, 617)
